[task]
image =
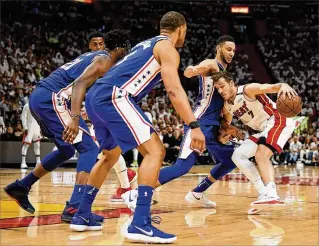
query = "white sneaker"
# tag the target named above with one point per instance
(202, 201)
(130, 198)
(266, 202)
(24, 166)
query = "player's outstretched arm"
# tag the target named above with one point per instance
(169, 59)
(254, 89)
(203, 68)
(99, 66)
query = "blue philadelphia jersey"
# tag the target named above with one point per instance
(62, 77)
(138, 72)
(209, 102)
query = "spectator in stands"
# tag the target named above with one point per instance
(295, 147)
(9, 135)
(313, 153)
(305, 150)
(172, 141)
(307, 111)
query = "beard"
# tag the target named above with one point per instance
(224, 59)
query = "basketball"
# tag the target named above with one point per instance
(289, 107)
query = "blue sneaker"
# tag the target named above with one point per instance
(71, 209)
(146, 232)
(80, 223)
(19, 193)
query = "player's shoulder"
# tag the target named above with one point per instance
(149, 43)
(96, 53)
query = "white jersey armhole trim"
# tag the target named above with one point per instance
(246, 97)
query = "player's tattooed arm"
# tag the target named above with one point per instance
(169, 59)
(254, 89)
(99, 66)
(204, 68)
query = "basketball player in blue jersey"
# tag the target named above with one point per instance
(49, 106)
(207, 111)
(127, 177)
(112, 106)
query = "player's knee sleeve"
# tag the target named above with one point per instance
(180, 168)
(24, 149)
(57, 157)
(238, 157)
(36, 148)
(222, 169)
(88, 151)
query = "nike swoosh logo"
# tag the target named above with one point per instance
(195, 197)
(86, 220)
(148, 233)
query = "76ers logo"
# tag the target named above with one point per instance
(243, 110)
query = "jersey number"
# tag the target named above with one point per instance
(251, 113)
(68, 65)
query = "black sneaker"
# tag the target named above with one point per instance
(71, 209)
(20, 193)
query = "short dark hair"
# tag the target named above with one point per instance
(117, 38)
(222, 74)
(95, 34)
(172, 20)
(225, 38)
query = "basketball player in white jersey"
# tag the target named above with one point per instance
(256, 110)
(32, 134)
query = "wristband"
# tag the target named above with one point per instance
(75, 116)
(193, 125)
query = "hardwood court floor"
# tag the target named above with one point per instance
(229, 224)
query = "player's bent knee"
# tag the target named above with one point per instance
(110, 157)
(238, 157)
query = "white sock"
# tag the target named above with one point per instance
(241, 158)
(135, 154)
(24, 152)
(271, 189)
(36, 148)
(121, 172)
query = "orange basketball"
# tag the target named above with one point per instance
(289, 107)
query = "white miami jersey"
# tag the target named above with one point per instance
(253, 113)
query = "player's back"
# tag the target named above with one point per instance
(63, 76)
(209, 102)
(138, 72)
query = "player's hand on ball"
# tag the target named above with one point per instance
(286, 90)
(198, 143)
(234, 132)
(71, 130)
